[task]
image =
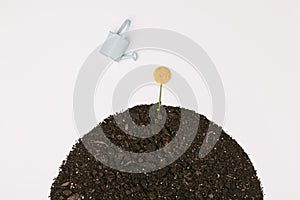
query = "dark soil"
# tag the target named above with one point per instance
(225, 173)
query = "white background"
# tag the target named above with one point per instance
(255, 46)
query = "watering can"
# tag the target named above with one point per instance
(116, 44)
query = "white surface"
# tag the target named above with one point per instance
(254, 45)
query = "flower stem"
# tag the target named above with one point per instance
(159, 100)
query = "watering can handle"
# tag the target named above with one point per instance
(125, 25)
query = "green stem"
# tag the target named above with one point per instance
(159, 100)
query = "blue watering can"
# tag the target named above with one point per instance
(116, 44)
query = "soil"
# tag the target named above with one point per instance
(225, 173)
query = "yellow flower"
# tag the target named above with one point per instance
(162, 74)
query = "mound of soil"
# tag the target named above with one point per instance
(225, 173)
